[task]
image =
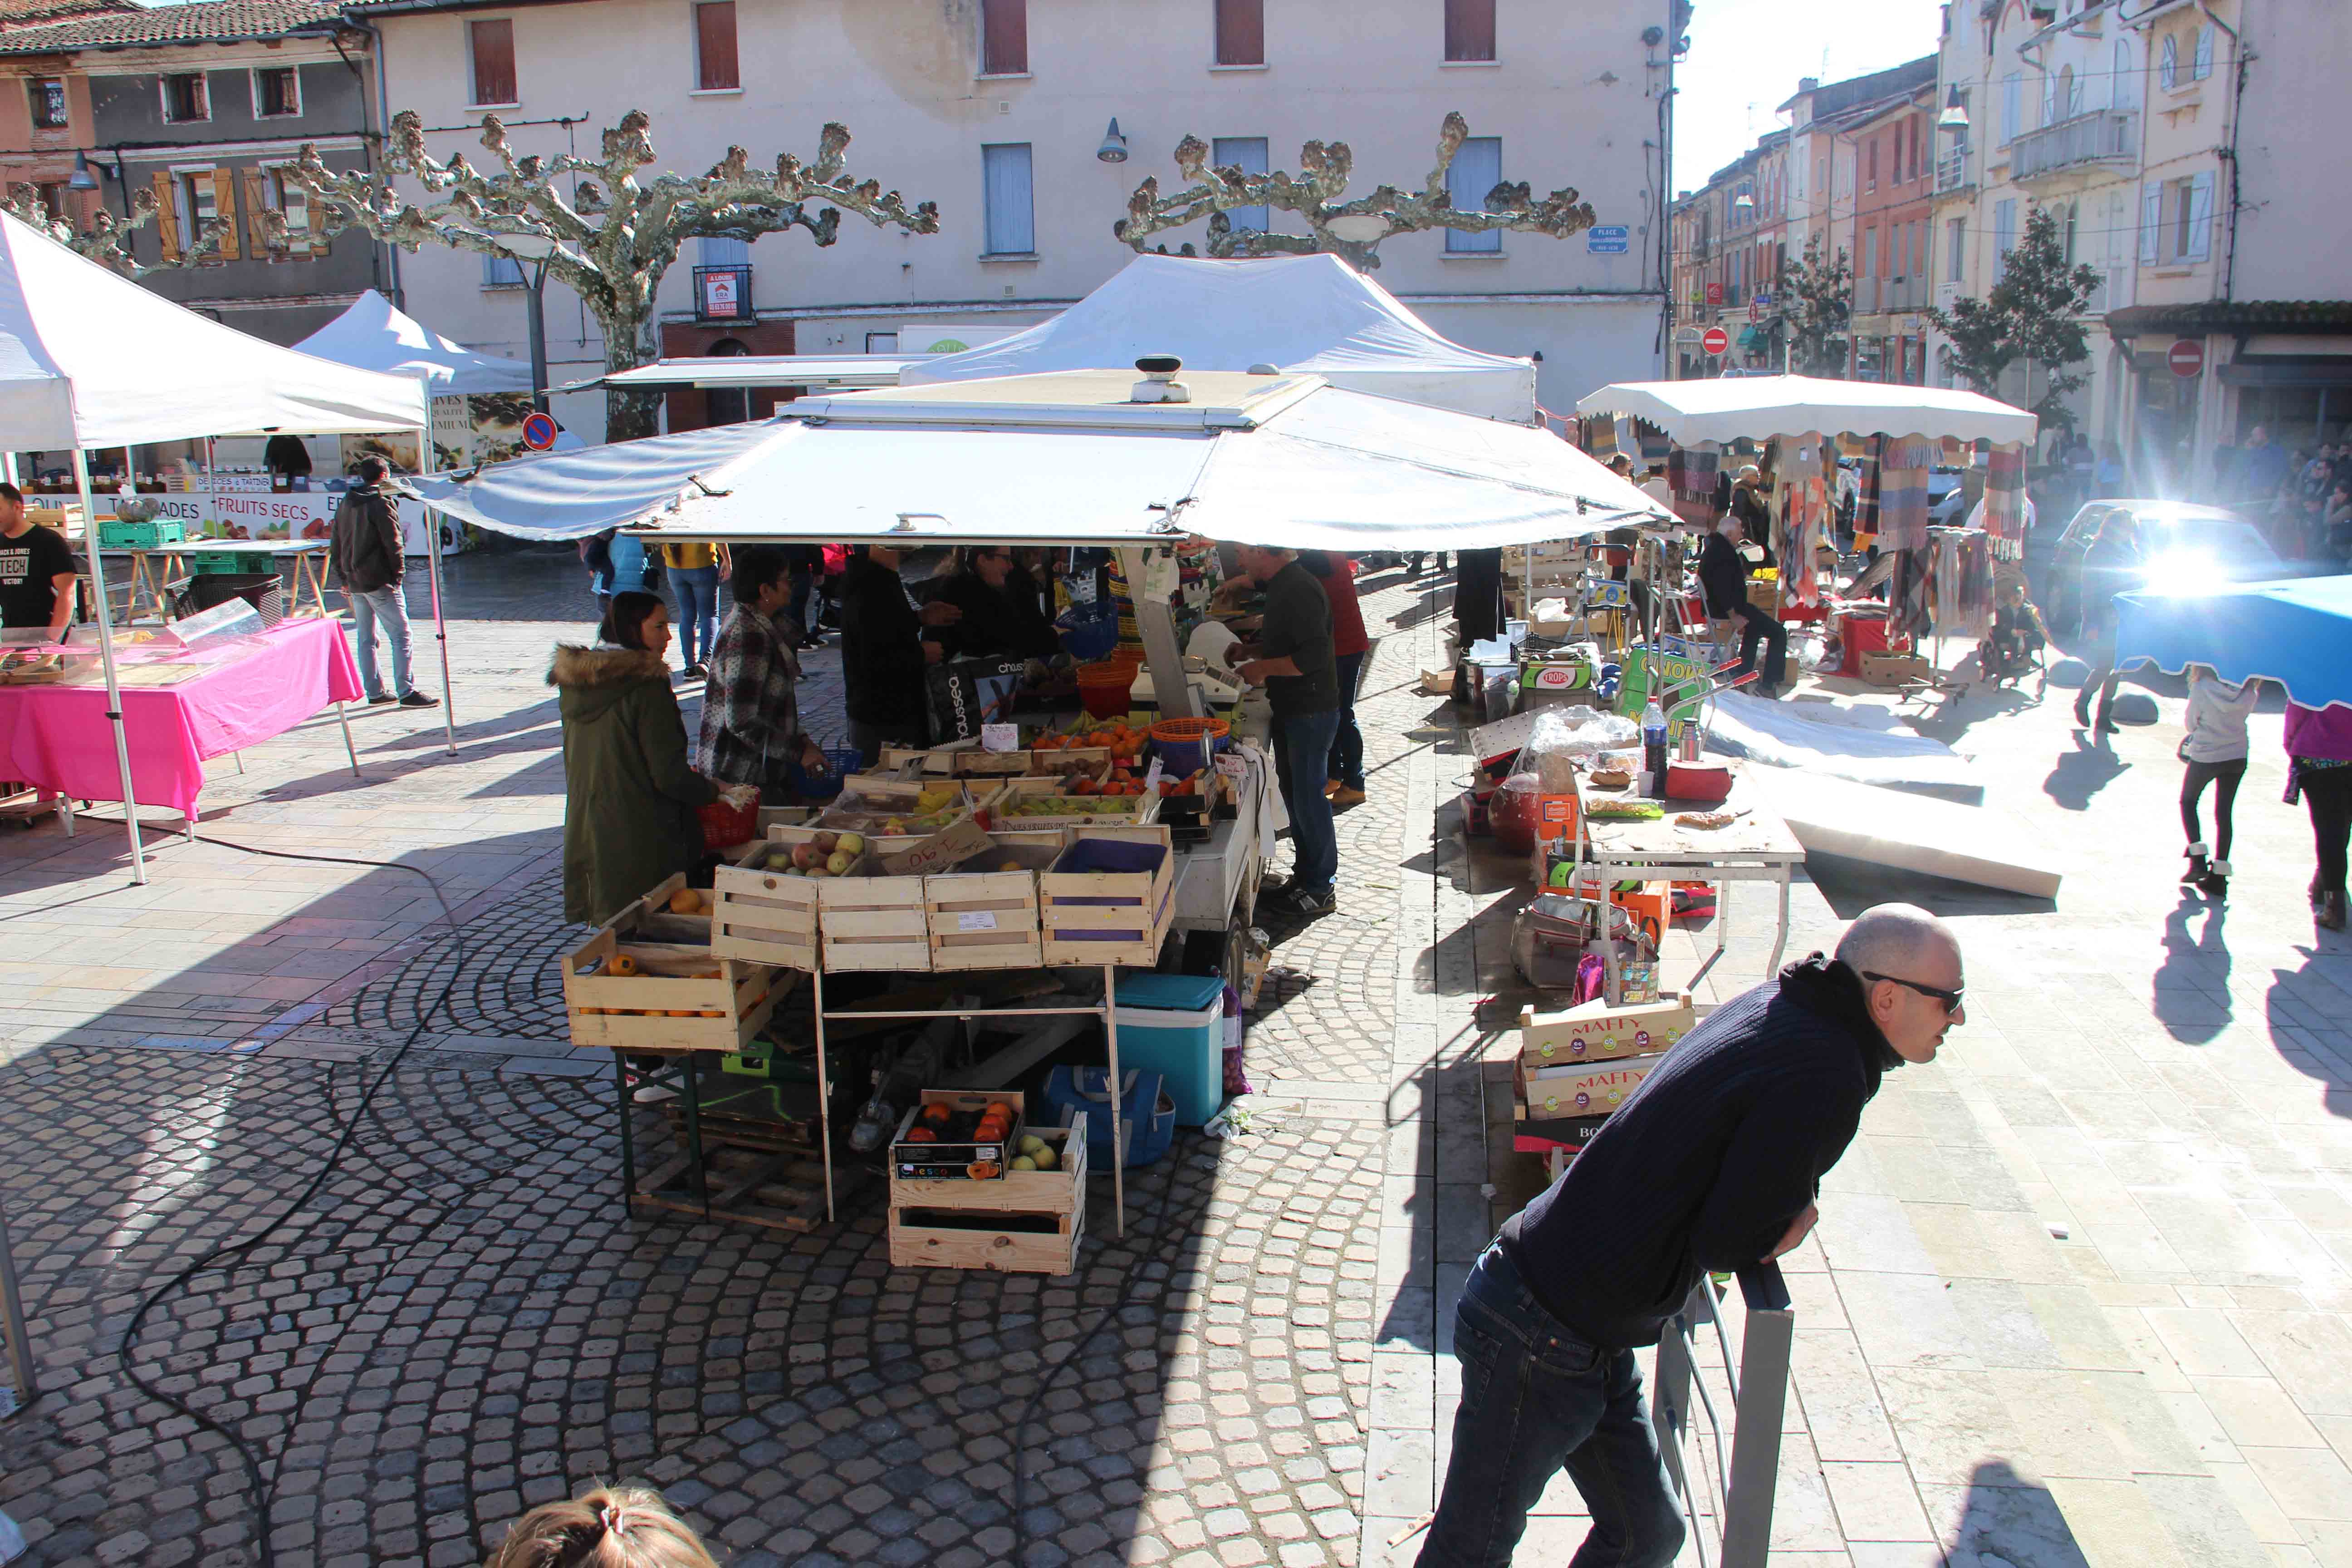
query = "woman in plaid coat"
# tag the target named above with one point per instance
(751, 714)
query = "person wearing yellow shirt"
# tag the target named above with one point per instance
(697, 570)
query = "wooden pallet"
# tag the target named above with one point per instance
(778, 1191)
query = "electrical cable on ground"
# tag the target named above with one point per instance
(258, 1491)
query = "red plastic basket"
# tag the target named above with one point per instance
(724, 826)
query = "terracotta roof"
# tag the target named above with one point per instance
(16, 14)
(205, 21)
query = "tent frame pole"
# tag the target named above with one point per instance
(106, 657)
(433, 572)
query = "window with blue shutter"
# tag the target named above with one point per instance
(1248, 154)
(2198, 231)
(2004, 234)
(1008, 198)
(725, 252)
(502, 272)
(2012, 106)
(1477, 169)
(2151, 220)
(2204, 67)
(2167, 63)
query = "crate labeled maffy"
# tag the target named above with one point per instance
(957, 1135)
(1031, 1220)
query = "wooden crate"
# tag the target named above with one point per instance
(1116, 916)
(869, 922)
(985, 917)
(869, 794)
(1002, 1225)
(684, 997)
(1112, 811)
(764, 916)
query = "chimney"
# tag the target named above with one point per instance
(1809, 84)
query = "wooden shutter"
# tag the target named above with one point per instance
(494, 61)
(1004, 37)
(256, 199)
(2200, 219)
(2151, 219)
(1241, 32)
(714, 44)
(1469, 29)
(225, 208)
(167, 214)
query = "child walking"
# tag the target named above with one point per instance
(2215, 750)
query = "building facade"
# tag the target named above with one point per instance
(204, 106)
(1892, 143)
(997, 110)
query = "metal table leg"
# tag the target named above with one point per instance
(1780, 936)
(343, 717)
(694, 1154)
(628, 1137)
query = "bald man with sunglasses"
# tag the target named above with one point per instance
(1712, 1164)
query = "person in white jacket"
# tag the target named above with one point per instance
(2215, 750)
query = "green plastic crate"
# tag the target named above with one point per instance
(114, 533)
(217, 561)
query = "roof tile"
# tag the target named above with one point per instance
(204, 20)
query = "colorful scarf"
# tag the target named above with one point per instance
(1866, 505)
(2005, 496)
(1904, 468)
(1806, 520)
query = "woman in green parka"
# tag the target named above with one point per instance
(629, 791)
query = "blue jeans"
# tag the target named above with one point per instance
(803, 601)
(1302, 744)
(385, 607)
(1535, 1399)
(698, 610)
(1347, 759)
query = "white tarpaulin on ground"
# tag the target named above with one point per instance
(374, 335)
(1311, 314)
(1757, 407)
(1070, 459)
(1824, 740)
(87, 358)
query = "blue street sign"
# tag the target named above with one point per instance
(538, 432)
(1611, 239)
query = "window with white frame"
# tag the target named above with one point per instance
(1956, 235)
(1477, 169)
(196, 199)
(2124, 82)
(277, 92)
(1008, 199)
(2012, 106)
(185, 99)
(48, 100)
(2202, 65)
(282, 190)
(502, 272)
(2167, 63)
(490, 56)
(714, 58)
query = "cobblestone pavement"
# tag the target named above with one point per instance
(463, 1322)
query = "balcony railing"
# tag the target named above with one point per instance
(1874, 296)
(1954, 171)
(2102, 136)
(1724, 1461)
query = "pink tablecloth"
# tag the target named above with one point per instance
(57, 736)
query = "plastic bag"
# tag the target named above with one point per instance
(1559, 745)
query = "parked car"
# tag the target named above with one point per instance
(2179, 543)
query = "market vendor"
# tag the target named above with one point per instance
(37, 571)
(1002, 616)
(750, 712)
(629, 795)
(883, 654)
(1723, 564)
(1295, 662)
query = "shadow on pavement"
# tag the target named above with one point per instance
(2192, 983)
(2084, 771)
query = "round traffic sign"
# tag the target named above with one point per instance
(539, 431)
(2186, 358)
(1716, 340)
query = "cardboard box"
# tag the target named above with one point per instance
(1895, 668)
(1572, 1133)
(1596, 1030)
(1594, 1089)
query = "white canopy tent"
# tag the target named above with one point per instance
(1070, 460)
(374, 334)
(89, 359)
(833, 371)
(1758, 407)
(1309, 313)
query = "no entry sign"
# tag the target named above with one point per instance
(1716, 340)
(538, 432)
(2186, 358)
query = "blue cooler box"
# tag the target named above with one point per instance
(1174, 1024)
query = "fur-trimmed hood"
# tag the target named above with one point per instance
(594, 667)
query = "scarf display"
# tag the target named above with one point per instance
(1693, 474)
(1805, 514)
(1866, 505)
(1905, 465)
(2004, 499)
(1908, 615)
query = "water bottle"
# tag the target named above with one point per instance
(1654, 748)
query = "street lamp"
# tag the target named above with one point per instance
(1114, 145)
(1955, 112)
(83, 180)
(539, 248)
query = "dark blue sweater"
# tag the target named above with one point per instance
(1703, 1168)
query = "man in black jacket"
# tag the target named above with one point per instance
(882, 654)
(363, 549)
(1713, 1164)
(1723, 580)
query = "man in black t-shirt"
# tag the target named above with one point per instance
(36, 570)
(1295, 665)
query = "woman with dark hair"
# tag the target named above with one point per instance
(1002, 615)
(629, 795)
(751, 714)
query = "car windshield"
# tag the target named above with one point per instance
(2227, 542)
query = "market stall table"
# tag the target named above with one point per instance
(309, 556)
(1756, 847)
(55, 735)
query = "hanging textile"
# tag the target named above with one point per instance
(1905, 465)
(1866, 505)
(1908, 617)
(1807, 529)
(1692, 473)
(2004, 509)
(1972, 614)
(1600, 437)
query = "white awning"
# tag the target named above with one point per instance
(1760, 407)
(762, 370)
(1069, 459)
(89, 358)
(373, 335)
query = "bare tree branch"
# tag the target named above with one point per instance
(616, 239)
(107, 239)
(1351, 230)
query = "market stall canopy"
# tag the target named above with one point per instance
(1757, 407)
(88, 358)
(1311, 314)
(374, 335)
(762, 370)
(1071, 459)
(2297, 633)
